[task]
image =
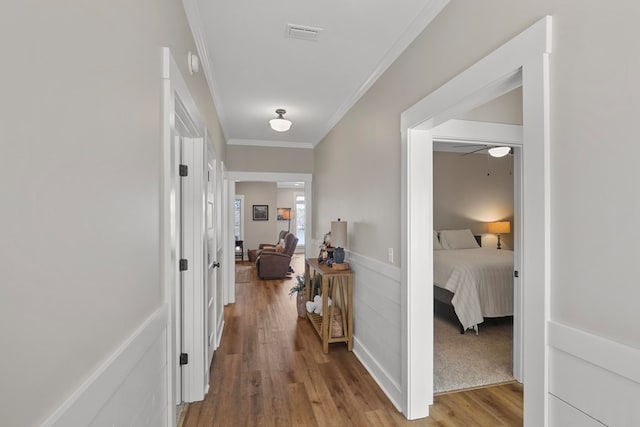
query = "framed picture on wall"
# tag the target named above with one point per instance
(260, 212)
(284, 214)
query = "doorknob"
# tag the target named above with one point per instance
(216, 265)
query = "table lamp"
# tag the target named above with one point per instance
(338, 240)
(499, 227)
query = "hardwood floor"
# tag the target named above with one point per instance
(270, 371)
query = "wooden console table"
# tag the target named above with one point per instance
(333, 283)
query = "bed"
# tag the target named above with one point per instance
(477, 282)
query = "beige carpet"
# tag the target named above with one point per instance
(470, 360)
(243, 273)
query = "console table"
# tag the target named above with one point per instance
(338, 284)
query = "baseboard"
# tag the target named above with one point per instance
(597, 377)
(129, 388)
(390, 388)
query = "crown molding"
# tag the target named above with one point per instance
(430, 11)
(195, 23)
(267, 143)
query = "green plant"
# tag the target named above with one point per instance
(299, 286)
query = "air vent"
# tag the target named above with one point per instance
(303, 32)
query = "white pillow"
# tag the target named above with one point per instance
(436, 242)
(458, 239)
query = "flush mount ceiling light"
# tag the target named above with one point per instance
(280, 124)
(499, 151)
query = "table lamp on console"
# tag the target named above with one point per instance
(339, 243)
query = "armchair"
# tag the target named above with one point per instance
(275, 265)
(281, 236)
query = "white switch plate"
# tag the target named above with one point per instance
(390, 256)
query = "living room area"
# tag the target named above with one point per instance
(265, 214)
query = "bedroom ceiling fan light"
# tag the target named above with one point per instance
(499, 151)
(280, 124)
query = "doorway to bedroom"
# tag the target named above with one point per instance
(473, 192)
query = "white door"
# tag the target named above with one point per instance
(193, 268)
(213, 263)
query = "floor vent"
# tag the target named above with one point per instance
(303, 32)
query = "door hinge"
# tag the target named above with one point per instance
(184, 265)
(184, 359)
(183, 170)
(208, 176)
(516, 274)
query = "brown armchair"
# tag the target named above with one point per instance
(281, 236)
(275, 265)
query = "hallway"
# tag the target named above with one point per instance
(270, 371)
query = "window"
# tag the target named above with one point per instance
(238, 217)
(300, 218)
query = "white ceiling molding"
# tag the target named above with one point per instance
(431, 10)
(266, 143)
(195, 23)
(243, 100)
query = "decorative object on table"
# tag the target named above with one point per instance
(338, 240)
(299, 291)
(284, 214)
(499, 227)
(260, 212)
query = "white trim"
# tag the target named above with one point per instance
(387, 384)
(595, 378)
(525, 58)
(269, 177)
(379, 267)
(95, 393)
(269, 143)
(195, 23)
(424, 18)
(596, 350)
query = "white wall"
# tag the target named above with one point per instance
(256, 232)
(593, 108)
(80, 182)
(471, 190)
(269, 159)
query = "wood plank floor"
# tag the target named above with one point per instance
(270, 371)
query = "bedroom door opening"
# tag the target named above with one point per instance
(470, 190)
(521, 62)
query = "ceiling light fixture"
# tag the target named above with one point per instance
(280, 124)
(499, 151)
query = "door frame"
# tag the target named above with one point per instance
(523, 61)
(244, 176)
(463, 132)
(175, 92)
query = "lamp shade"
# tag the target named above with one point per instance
(280, 124)
(339, 234)
(499, 227)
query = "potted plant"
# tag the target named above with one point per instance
(298, 290)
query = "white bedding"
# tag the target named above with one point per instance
(480, 279)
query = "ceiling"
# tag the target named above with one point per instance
(253, 67)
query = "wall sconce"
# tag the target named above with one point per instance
(499, 227)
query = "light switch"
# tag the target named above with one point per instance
(390, 256)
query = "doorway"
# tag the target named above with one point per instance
(191, 206)
(472, 190)
(523, 61)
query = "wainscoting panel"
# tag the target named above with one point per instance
(562, 414)
(598, 377)
(129, 389)
(377, 340)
